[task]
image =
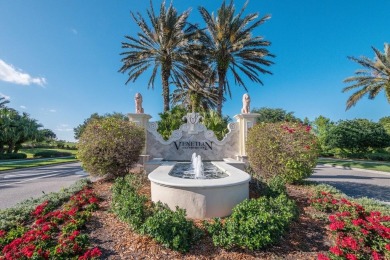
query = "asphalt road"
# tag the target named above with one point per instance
(355, 183)
(18, 185)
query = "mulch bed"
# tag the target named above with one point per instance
(306, 237)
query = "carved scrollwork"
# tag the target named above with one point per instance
(152, 126)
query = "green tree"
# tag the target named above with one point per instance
(385, 122)
(164, 46)
(321, 127)
(373, 79)
(78, 131)
(3, 101)
(229, 46)
(196, 99)
(274, 115)
(358, 135)
(16, 129)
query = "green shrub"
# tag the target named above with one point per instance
(128, 204)
(216, 123)
(255, 223)
(170, 121)
(376, 156)
(171, 228)
(282, 149)
(51, 154)
(110, 146)
(12, 156)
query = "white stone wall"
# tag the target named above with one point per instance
(192, 138)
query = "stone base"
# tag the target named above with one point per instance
(201, 198)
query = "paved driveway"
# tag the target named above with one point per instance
(18, 185)
(355, 183)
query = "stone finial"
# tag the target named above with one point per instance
(138, 103)
(246, 101)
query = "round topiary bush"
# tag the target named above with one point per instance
(110, 146)
(288, 150)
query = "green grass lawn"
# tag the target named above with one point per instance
(368, 165)
(18, 164)
(31, 151)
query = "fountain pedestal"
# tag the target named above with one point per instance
(201, 198)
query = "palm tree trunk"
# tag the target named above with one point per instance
(165, 81)
(221, 80)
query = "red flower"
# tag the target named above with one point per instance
(322, 257)
(337, 225)
(93, 200)
(349, 242)
(2, 233)
(387, 247)
(336, 251)
(28, 250)
(351, 257)
(364, 231)
(94, 252)
(376, 255)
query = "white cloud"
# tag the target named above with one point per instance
(23, 107)
(5, 96)
(9, 73)
(52, 110)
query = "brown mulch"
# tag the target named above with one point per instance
(305, 238)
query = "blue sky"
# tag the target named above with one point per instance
(59, 59)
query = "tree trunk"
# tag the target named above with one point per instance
(10, 148)
(1, 148)
(221, 80)
(17, 147)
(165, 81)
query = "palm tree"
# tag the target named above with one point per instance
(3, 101)
(200, 93)
(164, 47)
(371, 80)
(229, 46)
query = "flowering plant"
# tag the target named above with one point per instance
(358, 233)
(55, 234)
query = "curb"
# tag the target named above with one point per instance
(355, 169)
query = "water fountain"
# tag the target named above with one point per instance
(205, 190)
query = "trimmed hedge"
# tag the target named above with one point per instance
(13, 156)
(51, 154)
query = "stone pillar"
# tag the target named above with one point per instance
(143, 121)
(246, 121)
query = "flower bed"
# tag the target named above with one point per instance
(358, 233)
(53, 233)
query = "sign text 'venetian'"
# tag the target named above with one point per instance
(194, 145)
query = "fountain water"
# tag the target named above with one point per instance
(197, 166)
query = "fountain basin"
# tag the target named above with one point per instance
(202, 198)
